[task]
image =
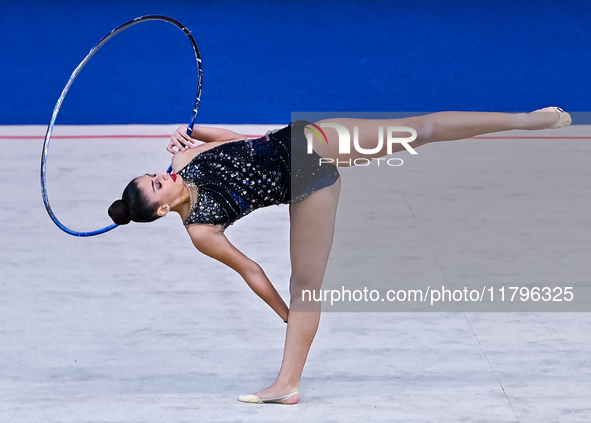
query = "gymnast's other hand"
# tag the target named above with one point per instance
(181, 140)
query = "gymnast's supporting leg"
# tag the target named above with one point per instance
(312, 224)
(441, 126)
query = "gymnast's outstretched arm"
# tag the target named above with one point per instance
(211, 241)
(181, 140)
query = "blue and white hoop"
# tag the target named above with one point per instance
(60, 100)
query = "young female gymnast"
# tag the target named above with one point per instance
(225, 177)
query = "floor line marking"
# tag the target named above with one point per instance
(63, 137)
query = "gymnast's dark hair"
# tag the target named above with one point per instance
(134, 205)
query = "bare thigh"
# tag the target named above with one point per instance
(312, 223)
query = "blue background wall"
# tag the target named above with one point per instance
(265, 59)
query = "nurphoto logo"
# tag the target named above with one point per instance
(344, 144)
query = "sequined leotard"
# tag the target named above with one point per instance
(233, 179)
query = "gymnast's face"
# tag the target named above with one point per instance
(163, 189)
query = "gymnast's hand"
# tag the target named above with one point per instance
(181, 140)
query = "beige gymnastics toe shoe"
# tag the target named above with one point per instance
(253, 399)
(564, 119)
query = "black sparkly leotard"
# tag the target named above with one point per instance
(233, 179)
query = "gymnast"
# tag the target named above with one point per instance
(225, 177)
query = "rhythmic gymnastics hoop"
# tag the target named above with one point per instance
(60, 100)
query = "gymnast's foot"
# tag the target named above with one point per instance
(548, 118)
(273, 394)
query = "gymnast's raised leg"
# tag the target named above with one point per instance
(441, 126)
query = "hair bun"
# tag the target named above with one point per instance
(119, 212)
